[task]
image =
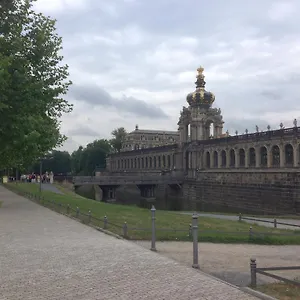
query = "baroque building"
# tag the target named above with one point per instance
(258, 170)
(145, 138)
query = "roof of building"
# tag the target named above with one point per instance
(151, 131)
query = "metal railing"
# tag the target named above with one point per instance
(254, 271)
(274, 221)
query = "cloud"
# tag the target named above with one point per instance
(134, 62)
(96, 96)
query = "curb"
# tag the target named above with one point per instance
(257, 294)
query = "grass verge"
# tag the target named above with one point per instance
(281, 291)
(169, 225)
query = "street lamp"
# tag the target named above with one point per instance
(41, 169)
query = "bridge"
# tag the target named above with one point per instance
(147, 183)
(141, 179)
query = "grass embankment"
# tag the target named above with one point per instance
(281, 291)
(210, 230)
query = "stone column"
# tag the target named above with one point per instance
(237, 158)
(219, 159)
(270, 158)
(247, 154)
(282, 156)
(227, 158)
(211, 159)
(296, 155)
(257, 157)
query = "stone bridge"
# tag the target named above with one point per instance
(147, 183)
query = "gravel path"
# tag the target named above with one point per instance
(231, 262)
(45, 255)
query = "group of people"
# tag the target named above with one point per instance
(45, 178)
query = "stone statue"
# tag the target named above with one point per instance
(295, 122)
(256, 127)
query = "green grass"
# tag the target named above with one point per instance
(281, 291)
(210, 230)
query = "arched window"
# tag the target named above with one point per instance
(232, 158)
(154, 162)
(289, 155)
(275, 156)
(223, 158)
(252, 157)
(242, 158)
(146, 162)
(215, 159)
(150, 162)
(159, 162)
(263, 157)
(207, 159)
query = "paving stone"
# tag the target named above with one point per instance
(45, 255)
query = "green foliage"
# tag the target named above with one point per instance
(85, 160)
(119, 135)
(32, 82)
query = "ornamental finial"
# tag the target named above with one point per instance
(200, 71)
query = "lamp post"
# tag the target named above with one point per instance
(41, 172)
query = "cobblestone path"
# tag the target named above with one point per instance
(44, 255)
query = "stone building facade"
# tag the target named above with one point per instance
(257, 171)
(144, 138)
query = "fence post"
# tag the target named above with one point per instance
(77, 212)
(250, 232)
(105, 223)
(275, 223)
(153, 238)
(125, 230)
(240, 217)
(195, 241)
(89, 216)
(253, 272)
(68, 209)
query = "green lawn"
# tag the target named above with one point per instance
(170, 225)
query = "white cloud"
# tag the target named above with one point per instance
(54, 6)
(281, 10)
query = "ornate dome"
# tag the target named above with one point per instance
(200, 97)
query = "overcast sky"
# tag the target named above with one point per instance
(134, 61)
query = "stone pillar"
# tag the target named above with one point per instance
(237, 158)
(247, 153)
(220, 159)
(282, 156)
(296, 155)
(227, 158)
(257, 157)
(270, 158)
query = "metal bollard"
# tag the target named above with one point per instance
(275, 223)
(153, 237)
(250, 232)
(105, 222)
(253, 272)
(89, 216)
(125, 230)
(77, 212)
(68, 209)
(195, 241)
(240, 217)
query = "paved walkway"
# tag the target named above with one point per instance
(45, 255)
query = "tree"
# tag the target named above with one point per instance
(119, 135)
(32, 82)
(85, 160)
(59, 162)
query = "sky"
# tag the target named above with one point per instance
(134, 61)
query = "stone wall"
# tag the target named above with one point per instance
(246, 192)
